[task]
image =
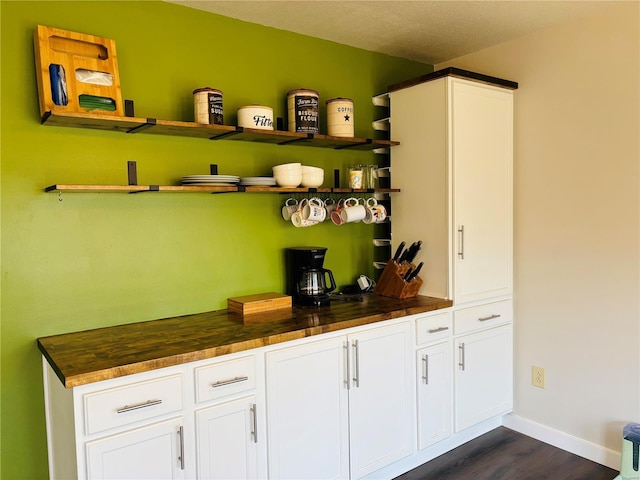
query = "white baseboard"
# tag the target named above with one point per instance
(575, 445)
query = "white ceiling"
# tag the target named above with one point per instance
(423, 30)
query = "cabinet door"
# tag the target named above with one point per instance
(482, 155)
(307, 417)
(434, 394)
(483, 379)
(226, 439)
(381, 397)
(151, 452)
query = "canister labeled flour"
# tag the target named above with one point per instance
(303, 111)
(340, 117)
(207, 106)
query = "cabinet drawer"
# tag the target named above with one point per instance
(481, 317)
(133, 402)
(433, 327)
(225, 378)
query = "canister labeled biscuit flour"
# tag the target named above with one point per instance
(207, 106)
(303, 111)
(340, 117)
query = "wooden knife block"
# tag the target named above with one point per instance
(392, 285)
(74, 51)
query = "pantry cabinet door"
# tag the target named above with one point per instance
(482, 157)
(484, 376)
(434, 394)
(307, 409)
(147, 453)
(381, 397)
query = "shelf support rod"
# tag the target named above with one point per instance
(367, 141)
(227, 134)
(149, 123)
(308, 138)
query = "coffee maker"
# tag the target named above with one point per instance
(306, 277)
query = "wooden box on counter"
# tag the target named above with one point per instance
(258, 303)
(391, 283)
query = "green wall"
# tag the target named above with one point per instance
(82, 261)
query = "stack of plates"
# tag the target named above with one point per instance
(210, 180)
(258, 181)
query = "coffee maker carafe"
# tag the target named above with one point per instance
(306, 276)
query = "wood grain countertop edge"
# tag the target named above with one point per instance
(57, 348)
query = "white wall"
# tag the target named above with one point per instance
(577, 220)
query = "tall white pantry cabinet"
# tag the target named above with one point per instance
(454, 167)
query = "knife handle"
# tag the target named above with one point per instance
(396, 256)
(407, 274)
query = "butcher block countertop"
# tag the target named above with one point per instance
(94, 355)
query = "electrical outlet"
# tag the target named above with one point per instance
(537, 376)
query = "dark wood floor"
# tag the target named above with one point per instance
(505, 454)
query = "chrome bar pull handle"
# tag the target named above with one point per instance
(356, 361)
(490, 317)
(254, 426)
(461, 240)
(222, 383)
(148, 403)
(436, 330)
(461, 362)
(425, 369)
(181, 441)
(347, 381)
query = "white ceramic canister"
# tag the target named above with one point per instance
(207, 106)
(303, 111)
(256, 116)
(340, 117)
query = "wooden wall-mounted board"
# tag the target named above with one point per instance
(77, 72)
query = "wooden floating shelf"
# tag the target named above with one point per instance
(67, 188)
(211, 132)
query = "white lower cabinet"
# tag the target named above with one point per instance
(150, 452)
(361, 403)
(483, 378)
(341, 407)
(226, 440)
(433, 377)
(434, 394)
(195, 421)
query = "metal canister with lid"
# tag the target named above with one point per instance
(207, 106)
(340, 117)
(303, 111)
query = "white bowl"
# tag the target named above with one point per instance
(312, 181)
(290, 180)
(308, 170)
(288, 167)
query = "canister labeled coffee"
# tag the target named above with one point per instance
(340, 117)
(303, 111)
(207, 104)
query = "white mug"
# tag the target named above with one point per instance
(298, 221)
(353, 212)
(379, 213)
(330, 205)
(314, 210)
(370, 213)
(290, 206)
(297, 217)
